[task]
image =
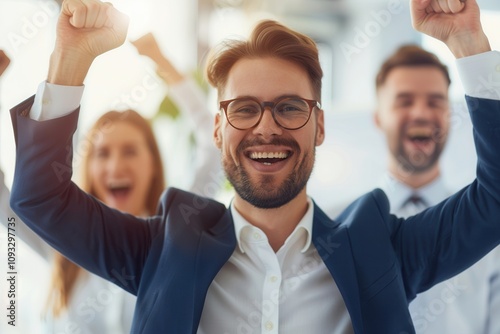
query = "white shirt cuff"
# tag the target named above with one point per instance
(54, 101)
(480, 75)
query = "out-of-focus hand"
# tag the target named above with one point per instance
(4, 61)
(455, 22)
(148, 46)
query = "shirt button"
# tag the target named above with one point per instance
(273, 278)
(497, 68)
(256, 236)
(269, 326)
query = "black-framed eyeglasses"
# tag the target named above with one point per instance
(289, 112)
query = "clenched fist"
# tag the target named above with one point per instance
(454, 22)
(85, 29)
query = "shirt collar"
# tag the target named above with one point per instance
(305, 224)
(398, 192)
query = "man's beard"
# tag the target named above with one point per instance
(418, 161)
(264, 193)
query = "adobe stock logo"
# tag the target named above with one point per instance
(364, 36)
(427, 313)
(29, 27)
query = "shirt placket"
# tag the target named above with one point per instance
(270, 288)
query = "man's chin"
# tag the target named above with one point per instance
(271, 196)
(418, 168)
(417, 161)
(267, 202)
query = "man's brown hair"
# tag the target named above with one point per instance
(410, 56)
(268, 39)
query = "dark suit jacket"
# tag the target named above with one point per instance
(378, 261)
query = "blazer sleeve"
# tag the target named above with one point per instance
(109, 243)
(444, 240)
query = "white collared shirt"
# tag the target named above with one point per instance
(260, 291)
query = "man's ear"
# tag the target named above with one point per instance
(320, 127)
(217, 131)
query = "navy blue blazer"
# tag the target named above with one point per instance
(379, 262)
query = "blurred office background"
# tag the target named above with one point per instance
(354, 37)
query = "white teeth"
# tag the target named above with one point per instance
(268, 155)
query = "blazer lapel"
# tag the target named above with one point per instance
(333, 245)
(216, 246)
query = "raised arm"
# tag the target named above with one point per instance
(189, 97)
(104, 241)
(148, 46)
(448, 238)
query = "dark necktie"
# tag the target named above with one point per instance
(415, 199)
(413, 205)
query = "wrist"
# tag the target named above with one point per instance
(469, 45)
(68, 68)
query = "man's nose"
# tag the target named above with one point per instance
(421, 110)
(267, 126)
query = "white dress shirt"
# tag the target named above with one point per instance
(468, 303)
(260, 291)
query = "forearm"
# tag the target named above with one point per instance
(468, 45)
(192, 102)
(68, 69)
(167, 71)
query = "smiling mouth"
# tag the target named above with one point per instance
(420, 135)
(119, 190)
(269, 158)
